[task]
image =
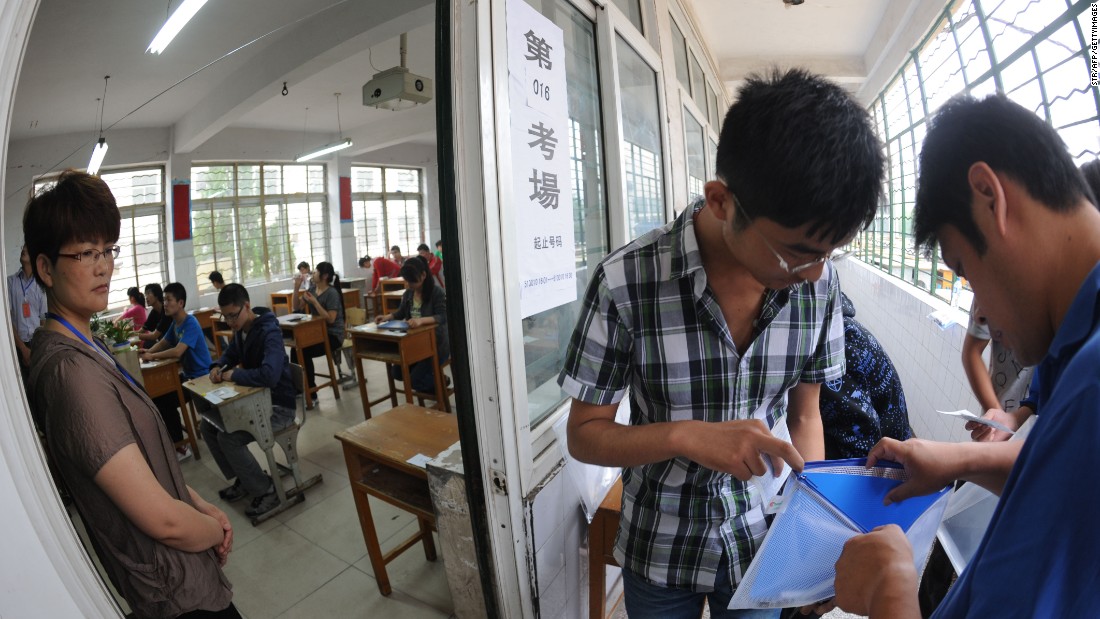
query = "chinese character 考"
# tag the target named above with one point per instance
(544, 139)
(538, 49)
(544, 188)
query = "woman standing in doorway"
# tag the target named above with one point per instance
(160, 543)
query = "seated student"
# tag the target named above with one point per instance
(303, 279)
(156, 323)
(435, 265)
(382, 267)
(182, 341)
(136, 312)
(422, 304)
(255, 357)
(395, 255)
(867, 403)
(328, 303)
(217, 280)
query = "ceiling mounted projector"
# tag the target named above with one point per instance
(396, 88)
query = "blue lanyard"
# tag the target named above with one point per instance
(67, 325)
(26, 286)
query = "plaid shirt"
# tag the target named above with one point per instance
(650, 323)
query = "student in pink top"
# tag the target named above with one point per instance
(136, 312)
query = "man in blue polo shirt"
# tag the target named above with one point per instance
(1012, 214)
(183, 341)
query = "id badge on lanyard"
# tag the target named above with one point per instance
(26, 310)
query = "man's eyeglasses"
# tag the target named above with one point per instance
(91, 256)
(227, 317)
(783, 264)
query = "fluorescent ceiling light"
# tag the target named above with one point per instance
(175, 23)
(324, 150)
(98, 153)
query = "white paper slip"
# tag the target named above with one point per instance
(221, 393)
(768, 485)
(969, 416)
(419, 460)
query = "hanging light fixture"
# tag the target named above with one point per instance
(100, 149)
(328, 148)
(174, 23)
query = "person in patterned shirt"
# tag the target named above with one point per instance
(720, 328)
(867, 403)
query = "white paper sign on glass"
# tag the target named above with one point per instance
(542, 196)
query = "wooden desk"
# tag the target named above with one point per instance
(391, 301)
(601, 548)
(389, 284)
(282, 299)
(250, 411)
(221, 329)
(163, 377)
(306, 332)
(376, 452)
(353, 297)
(205, 316)
(395, 348)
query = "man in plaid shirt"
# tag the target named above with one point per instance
(721, 326)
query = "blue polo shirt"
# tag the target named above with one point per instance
(1039, 557)
(196, 361)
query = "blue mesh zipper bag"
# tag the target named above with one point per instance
(826, 505)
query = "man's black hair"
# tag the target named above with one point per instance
(216, 277)
(439, 243)
(303, 265)
(1009, 138)
(423, 247)
(156, 291)
(1090, 170)
(797, 149)
(364, 261)
(233, 294)
(177, 291)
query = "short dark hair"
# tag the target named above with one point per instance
(233, 294)
(1011, 140)
(364, 261)
(303, 265)
(155, 291)
(797, 149)
(216, 277)
(177, 290)
(396, 249)
(423, 247)
(1090, 170)
(439, 243)
(78, 208)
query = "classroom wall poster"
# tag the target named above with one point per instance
(542, 194)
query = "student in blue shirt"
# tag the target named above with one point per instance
(1001, 196)
(184, 342)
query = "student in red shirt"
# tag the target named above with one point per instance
(382, 267)
(435, 265)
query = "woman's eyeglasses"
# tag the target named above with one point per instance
(91, 256)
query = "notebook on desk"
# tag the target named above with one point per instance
(395, 325)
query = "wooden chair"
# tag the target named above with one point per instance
(353, 317)
(287, 439)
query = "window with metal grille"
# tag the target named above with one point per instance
(254, 222)
(139, 193)
(386, 205)
(1037, 53)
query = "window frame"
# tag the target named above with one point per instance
(319, 236)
